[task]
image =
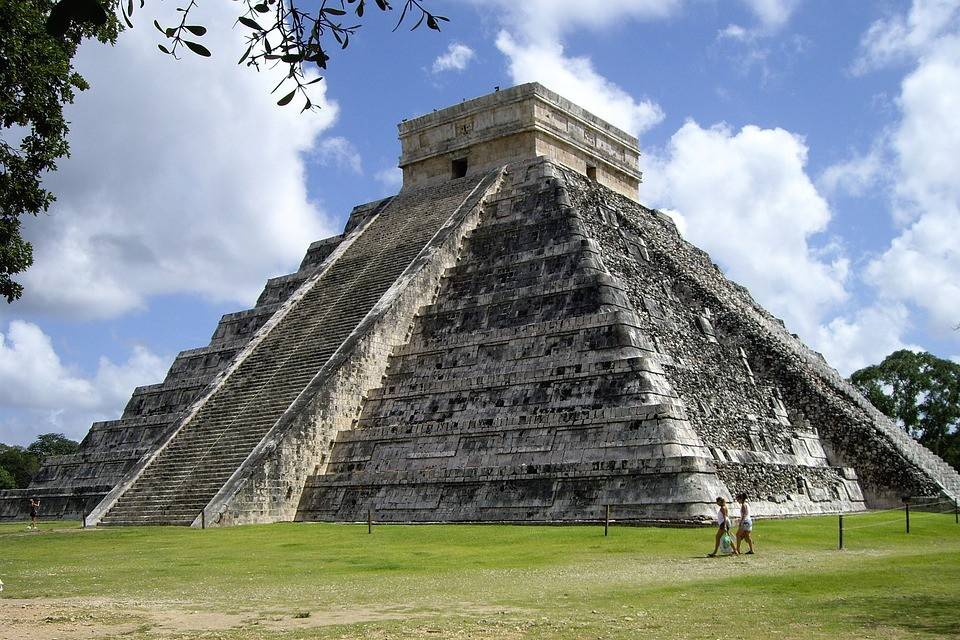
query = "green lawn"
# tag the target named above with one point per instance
(311, 580)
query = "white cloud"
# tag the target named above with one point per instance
(532, 40)
(457, 57)
(575, 78)
(339, 152)
(864, 338)
(391, 177)
(40, 393)
(922, 264)
(903, 38)
(745, 198)
(772, 14)
(856, 175)
(548, 20)
(185, 177)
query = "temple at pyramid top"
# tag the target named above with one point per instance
(520, 123)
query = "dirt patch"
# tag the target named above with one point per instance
(75, 618)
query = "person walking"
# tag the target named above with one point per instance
(745, 528)
(34, 506)
(723, 530)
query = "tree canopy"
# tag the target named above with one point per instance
(19, 464)
(38, 41)
(921, 392)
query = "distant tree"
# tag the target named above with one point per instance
(36, 80)
(39, 38)
(921, 392)
(18, 463)
(7, 481)
(52, 444)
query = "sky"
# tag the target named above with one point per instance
(811, 147)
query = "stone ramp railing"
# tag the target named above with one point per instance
(224, 427)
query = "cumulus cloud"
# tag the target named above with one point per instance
(745, 197)
(548, 20)
(866, 337)
(922, 264)
(339, 152)
(855, 175)
(40, 393)
(391, 177)
(456, 58)
(185, 178)
(902, 38)
(532, 40)
(576, 79)
(772, 14)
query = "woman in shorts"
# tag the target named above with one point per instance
(34, 505)
(746, 523)
(723, 527)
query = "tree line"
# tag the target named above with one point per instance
(19, 464)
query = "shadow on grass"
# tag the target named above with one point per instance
(913, 613)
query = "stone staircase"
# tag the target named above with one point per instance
(189, 470)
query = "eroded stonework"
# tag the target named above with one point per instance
(523, 342)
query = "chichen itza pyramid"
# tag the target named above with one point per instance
(512, 337)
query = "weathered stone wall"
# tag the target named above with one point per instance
(754, 391)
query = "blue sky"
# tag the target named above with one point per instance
(811, 147)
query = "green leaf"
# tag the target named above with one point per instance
(285, 100)
(333, 12)
(196, 29)
(198, 49)
(159, 28)
(261, 8)
(245, 54)
(163, 48)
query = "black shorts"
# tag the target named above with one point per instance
(33, 513)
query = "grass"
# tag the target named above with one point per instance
(488, 581)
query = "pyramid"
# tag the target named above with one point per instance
(512, 337)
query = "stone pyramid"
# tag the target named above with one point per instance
(512, 337)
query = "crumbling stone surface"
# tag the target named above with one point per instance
(750, 386)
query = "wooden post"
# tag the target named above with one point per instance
(906, 511)
(606, 521)
(369, 520)
(83, 518)
(841, 532)
(956, 512)
(203, 518)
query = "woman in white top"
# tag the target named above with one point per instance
(723, 525)
(746, 523)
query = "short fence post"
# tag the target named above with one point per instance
(906, 511)
(956, 512)
(606, 521)
(203, 518)
(369, 520)
(841, 532)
